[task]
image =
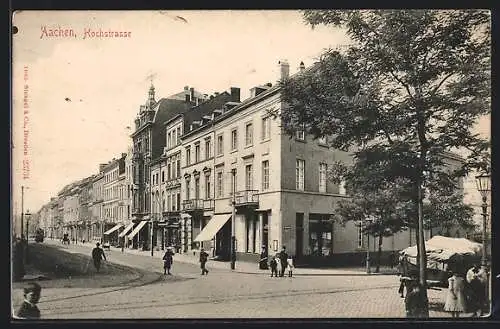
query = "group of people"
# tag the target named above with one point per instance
(462, 295)
(466, 294)
(168, 260)
(280, 263)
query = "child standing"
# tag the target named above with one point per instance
(273, 264)
(278, 264)
(289, 266)
(455, 301)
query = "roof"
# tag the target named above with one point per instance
(206, 108)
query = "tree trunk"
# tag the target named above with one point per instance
(379, 254)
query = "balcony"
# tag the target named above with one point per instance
(246, 198)
(192, 205)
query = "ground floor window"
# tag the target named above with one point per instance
(320, 234)
(251, 234)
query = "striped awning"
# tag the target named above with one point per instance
(137, 229)
(114, 228)
(126, 230)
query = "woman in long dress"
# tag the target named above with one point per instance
(455, 299)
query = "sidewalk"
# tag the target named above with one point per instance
(245, 267)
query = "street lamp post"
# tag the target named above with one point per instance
(233, 237)
(27, 214)
(483, 186)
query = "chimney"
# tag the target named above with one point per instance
(187, 95)
(188, 98)
(284, 69)
(192, 94)
(235, 94)
(302, 66)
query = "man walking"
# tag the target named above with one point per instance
(283, 258)
(203, 261)
(168, 259)
(97, 256)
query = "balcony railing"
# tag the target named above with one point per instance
(208, 204)
(246, 198)
(192, 205)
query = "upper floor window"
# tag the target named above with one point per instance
(178, 135)
(169, 140)
(220, 184)
(234, 139)
(266, 128)
(208, 148)
(207, 187)
(178, 167)
(197, 153)
(249, 134)
(342, 189)
(322, 177)
(265, 175)
(220, 145)
(169, 171)
(174, 139)
(248, 177)
(162, 176)
(299, 174)
(188, 156)
(300, 134)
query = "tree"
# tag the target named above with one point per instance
(413, 83)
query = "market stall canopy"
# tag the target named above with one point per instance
(443, 249)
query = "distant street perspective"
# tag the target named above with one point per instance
(132, 285)
(272, 164)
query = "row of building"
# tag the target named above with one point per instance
(192, 159)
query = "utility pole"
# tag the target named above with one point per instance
(233, 237)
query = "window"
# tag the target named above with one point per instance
(207, 187)
(178, 201)
(169, 171)
(188, 156)
(208, 148)
(300, 135)
(234, 139)
(220, 183)
(169, 139)
(178, 167)
(178, 135)
(299, 174)
(174, 202)
(162, 176)
(197, 153)
(342, 189)
(266, 128)
(169, 202)
(323, 167)
(359, 227)
(188, 189)
(220, 145)
(248, 177)
(174, 139)
(320, 234)
(197, 188)
(265, 175)
(174, 174)
(249, 134)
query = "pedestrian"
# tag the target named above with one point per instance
(29, 309)
(273, 264)
(402, 271)
(414, 301)
(168, 259)
(475, 291)
(97, 256)
(283, 258)
(392, 259)
(203, 261)
(289, 266)
(263, 259)
(279, 268)
(455, 300)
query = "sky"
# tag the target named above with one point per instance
(83, 94)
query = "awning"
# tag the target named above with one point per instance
(117, 226)
(137, 229)
(213, 226)
(125, 231)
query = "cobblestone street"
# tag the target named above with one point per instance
(226, 294)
